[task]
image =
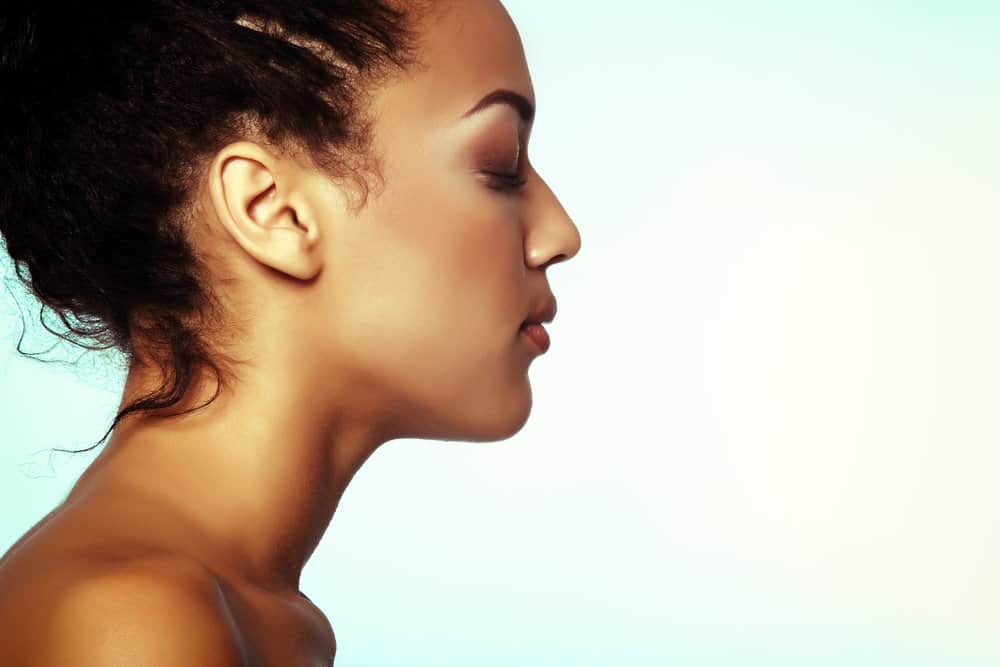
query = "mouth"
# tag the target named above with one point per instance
(531, 327)
(537, 334)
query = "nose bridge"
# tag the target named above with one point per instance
(553, 236)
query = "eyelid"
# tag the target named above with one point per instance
(506, 173)
(506, 183)
(500, 155)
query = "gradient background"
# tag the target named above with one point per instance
(767, 430)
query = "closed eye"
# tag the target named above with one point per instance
(506, 182)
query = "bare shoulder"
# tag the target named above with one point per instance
(137, 612)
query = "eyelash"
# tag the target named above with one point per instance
(506, 182)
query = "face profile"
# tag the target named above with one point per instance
(373, 275)
(424, 292)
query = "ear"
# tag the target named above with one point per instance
(259, 199)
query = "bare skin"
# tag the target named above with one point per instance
(400, 320)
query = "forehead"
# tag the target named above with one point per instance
(468, 48)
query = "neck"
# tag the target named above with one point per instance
(248, 484)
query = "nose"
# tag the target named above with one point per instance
(552, 237)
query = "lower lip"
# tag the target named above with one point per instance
(537, 334)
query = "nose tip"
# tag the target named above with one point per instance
(570, 235)
(556, 237)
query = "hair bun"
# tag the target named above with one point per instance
(18, 29)
(109, 111)
(52, 31)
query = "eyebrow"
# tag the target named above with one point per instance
(525, 109)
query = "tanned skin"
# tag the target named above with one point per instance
(184, 541)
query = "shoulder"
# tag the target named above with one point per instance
(148, 612)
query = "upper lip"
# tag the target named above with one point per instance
(544, 312)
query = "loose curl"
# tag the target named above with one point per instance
(109, 113)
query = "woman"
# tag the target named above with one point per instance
(312, 229)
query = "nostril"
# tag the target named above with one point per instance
(555, 260)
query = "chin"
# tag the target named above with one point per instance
(485, 414)
(500, 421)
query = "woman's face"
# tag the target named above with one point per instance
(426, 287)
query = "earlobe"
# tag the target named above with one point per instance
(255, 198)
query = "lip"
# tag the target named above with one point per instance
(537, 335)
(544, 312)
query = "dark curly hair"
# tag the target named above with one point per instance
(109, 113)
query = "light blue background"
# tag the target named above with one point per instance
(767, 430)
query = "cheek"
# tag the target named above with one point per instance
(462, 249)
(479, 245)
(443, 286)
